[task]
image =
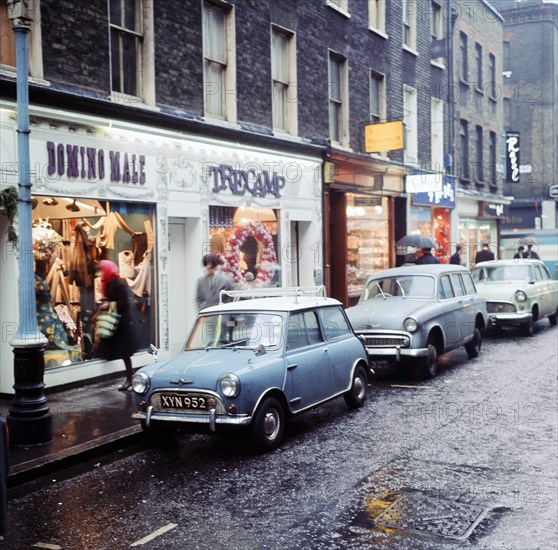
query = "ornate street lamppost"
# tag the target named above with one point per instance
(29, 419)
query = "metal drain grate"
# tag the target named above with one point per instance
(420, 513)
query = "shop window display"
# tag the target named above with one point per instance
(246, 240)
(70, 236)
(367, 239)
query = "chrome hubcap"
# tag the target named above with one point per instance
(271, 424)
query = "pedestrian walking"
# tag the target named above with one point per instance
(125, 341)
(531, 254)
(456, 258)
(211, 284)
(520, 253)
(484, 255)
(427, 257)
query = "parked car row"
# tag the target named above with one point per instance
(253, 363)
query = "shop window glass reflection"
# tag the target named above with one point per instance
(70, 236)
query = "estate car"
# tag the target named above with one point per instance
(414, 313)
(253, 363)
(518, 292)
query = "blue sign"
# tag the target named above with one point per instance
(444, 198)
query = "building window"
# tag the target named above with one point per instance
(410, 124)
(338, 93)
(478, 63)
(409, 23)
(377, 14)
(218, 62)
(464, 73)
(130, 66)
(341, 5)
(436, 26)
(492, 154)
(7, 42)
(464, 149)
(377, 97)
(283, 71)
(437, 134)
(479, 148)
(492, 75)
(507, 55)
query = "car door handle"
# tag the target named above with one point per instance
(293, 366)
(326, 350)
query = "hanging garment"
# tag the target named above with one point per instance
(82, 271)
(142, 283)
(126, 264)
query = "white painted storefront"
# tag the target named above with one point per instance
(178, 191)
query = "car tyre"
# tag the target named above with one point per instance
(553, 319)
(473, 347)
(429, 366)
(355, 397)
(268, 425)
(527, 329)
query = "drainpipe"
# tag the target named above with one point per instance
(29, 419)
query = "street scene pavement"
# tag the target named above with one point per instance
(466, 460)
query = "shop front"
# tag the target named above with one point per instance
(430, 214)
(359, 206)
(154, 202)
(479, 223)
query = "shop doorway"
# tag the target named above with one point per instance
(178, 304)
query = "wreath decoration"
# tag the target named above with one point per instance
(268, 263)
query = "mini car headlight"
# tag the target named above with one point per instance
(410, 324)
(140, 382)
(229, 384)
(520, 296)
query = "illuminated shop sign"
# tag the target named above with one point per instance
(444, 198)
(94, 164)
(258, 183)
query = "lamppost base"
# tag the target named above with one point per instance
(29, 419)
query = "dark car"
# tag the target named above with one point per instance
(4, 468)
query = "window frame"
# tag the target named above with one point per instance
(493, 158)
(436, 134)
(463, 57)
(227, 82)
(410, 124)
(377, 82)
(377, 15)
(409, 24)
(340, 102)
(479, 146)
(464, 149)
(478, 66)
(290, 101)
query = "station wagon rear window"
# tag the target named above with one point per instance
(239, 329)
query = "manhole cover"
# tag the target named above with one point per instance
(419, 512)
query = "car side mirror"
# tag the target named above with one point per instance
(153, 351)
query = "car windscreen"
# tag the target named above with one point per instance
(404, 286)
(499, 273)
(249, 330)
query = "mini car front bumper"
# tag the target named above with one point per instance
(211, 419)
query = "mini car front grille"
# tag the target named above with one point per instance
(500, 307)
(190, 402)
(383, 341)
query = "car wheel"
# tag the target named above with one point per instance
(553, 319)
(473, 347)
(356, 396)
(527, 329)
(429, 366)
(268, 425)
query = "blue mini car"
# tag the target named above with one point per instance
(253, 363)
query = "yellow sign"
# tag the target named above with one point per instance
(386, 136)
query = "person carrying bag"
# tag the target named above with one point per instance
(118, 336)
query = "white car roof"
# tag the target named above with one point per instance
(519, 261)
(275, 304)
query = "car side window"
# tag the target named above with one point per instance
(469, 284)
(545, 273)
(302, 330)
(457, 284)
(538, 274)
(334, 322)
(446, 290)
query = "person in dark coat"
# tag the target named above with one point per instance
(520, 253)
(484, 255)
(210, 285)
(456, 258)
(427, 257)
(531, 254)
(125, 342)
